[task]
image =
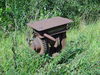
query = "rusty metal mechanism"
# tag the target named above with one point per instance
(49, 35)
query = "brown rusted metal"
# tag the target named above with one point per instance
(38, 45)
(49, 23)
(57, 42)
(49, 35)
(53, 39)
(63, 40)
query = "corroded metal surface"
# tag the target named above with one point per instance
(49, 23)
(39, 45)
(49, 35)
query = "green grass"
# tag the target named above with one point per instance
(80, 57)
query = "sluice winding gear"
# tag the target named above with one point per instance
(49, 35)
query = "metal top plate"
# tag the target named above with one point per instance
(49, 23)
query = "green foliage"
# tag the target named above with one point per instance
(16, 13)
(82, 53)
(80, 57)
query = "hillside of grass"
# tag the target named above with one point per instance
(80, 57)
(82, 53)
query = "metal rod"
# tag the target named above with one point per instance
(49, 37)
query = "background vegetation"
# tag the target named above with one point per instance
(82, 53)
(18, 12)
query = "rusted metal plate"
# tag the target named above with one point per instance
(49, 23)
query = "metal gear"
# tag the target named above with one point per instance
(39, 45)
(45, 47)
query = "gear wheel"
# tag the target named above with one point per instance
(44, 47)
(39, 45)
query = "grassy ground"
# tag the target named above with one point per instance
(80, 57)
